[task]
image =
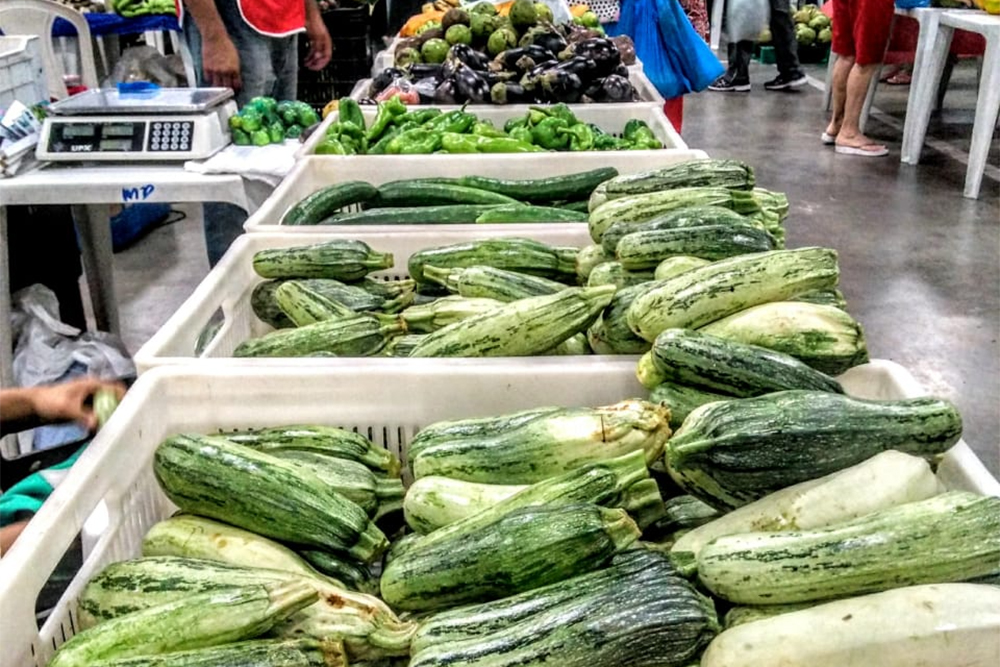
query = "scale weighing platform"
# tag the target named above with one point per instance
(163, 124)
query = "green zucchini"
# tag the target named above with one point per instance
(514, 254)
(681, 399)
(251, 653)
(526, 213)
(522, 328)
(265, 307)
(645, 250)
(433, 502)
(613, 273)
(823, 337)
(354, 297)
(748, 614)
(389, 289)
(684, 513)
(948, 538)
(327, 440)
(421, 193)
(610, 334)
(442, 312)
(689, 216)
(340, 260)
(831, 297)
(588, 257)
(453, 214)
(643, 207)
(539, 190)
(634, 612)
(945, 625)
(722, 366)
(676, 265)
(583, 206)
(356, 576)
(572, 346)
(730, 453)
(885, 480)
(328, 200)
(525, 549)
(401, 346)
(219, 479)
(199, 620)
(701, 296)
(492, 283)
(352, 480)
(695, 173)
(105, 403)
(305, 306)
(644, 503)
(445, 431)
(358, 336)
(534, 447)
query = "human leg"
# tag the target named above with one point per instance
(841, 71)
(871, 28)
(786, 49)
(737, 76)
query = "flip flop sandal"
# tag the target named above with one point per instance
(828, 139)
(901, 79)
(861, 150)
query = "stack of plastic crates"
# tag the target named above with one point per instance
(350, 30)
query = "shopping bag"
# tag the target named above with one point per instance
(686, 49)
(746, 18)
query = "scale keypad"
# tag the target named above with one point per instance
(170, 136)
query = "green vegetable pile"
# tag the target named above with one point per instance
(396, 130)
(266, 121)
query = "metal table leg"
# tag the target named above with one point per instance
(92, 223)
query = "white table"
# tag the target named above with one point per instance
(921, 101)
(91, 190)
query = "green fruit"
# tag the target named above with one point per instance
(435, 50)
(825, 36)
(454, 16)
(802, 16)
(407, 56)
(523, 14)
(481, 25)
(805, 35)
(486, 8)
(765, 36)
(590, 20)
(543, 12)
(458, 34)
(501, 40)
(819, 22)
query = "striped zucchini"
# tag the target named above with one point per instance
(674, 266)
(748, 614)
(722, 366)
(492, 283)
(681, 399)
(610, 334)
(252, 653)
(684, 513)
(265, 307)
(944, 625)
(422, 193)
(634, 612)
(401, 346)
(547, 445)
(644, 503)
(522, 328)
(445, 431)
(195, 537)
(356, 297)
(830, 297)
(525, 549)
(574, 345)
(695, 173)
(772, 201)
(352, 480)
(341, 260)
(689, 216)
(442, 312)
(824, 337)
(639, 208)
(589, 257)
(433, 502)
(328, 200)
(730, 453)
(195, 621)
(105, 404)
(885, 480)
(356, 576)
(326, 440)
(221, 480)
(514, 254)
(387, 289)
(701, 296)
(613, 273)
(357, 336)
(304, 305)
(948, 538)
(645, 250)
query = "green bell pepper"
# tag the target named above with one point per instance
(581, 137)
(277, 132)
(638, 134)
(330, 146)
(307, 116)
(379, 147)
(235, 122)
(536, 116)
(418, 117)
(241, 138)
(349, 112)
(458, 121)
(264, 104)
(416, 141)
(260, 137)
(386, 112)
(522, 134)
(515, 123)
(546, 134)
(251, 120)
(293, 131)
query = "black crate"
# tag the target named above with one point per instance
(350, 32)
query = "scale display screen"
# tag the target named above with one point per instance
(116, 144)
(78, 131)
(117, 131)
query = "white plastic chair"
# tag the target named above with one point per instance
(36, 17)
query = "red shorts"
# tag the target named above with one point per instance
(861, 29)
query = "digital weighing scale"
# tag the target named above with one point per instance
(163, 124)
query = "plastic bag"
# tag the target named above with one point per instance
(745, 19)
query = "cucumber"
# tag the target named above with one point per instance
(455, 214)
(722, 366)
(525, 213)
(510, 253)
(492, 283)
(422, 193)
(342, 260)
(691, 216)
(358, 336)
(328, 200)
(538, 190)
(645, 250)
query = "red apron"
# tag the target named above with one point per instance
(274, 18)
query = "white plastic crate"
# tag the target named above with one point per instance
(113, 480)
(314, 172)
(21, 74)
(229, 285)
(609, 117)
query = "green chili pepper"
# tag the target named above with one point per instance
(346, 129)
(522, 134)
(348, 111)
(452, 142)
(514, 124)
(422, 116)
(417, 141)
(536, 116)
(330, 146)
(485, 128)
(241, 138)
(581, 137)
(470, 143)
(379, 148)
(559, 111)
(458, 121)
(546, 134)
(386, 112)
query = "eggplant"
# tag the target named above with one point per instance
(385, 78)
(493, 78)
(621, 70)
(510, 58)
(426, 88)
(509, 93)
(616, 88)
(603, 52)
(420, 71)
(583, 67)
(446, 93)
(561, 86)
(530, 79)
(469, 56)
(470, 85)
(551, 42)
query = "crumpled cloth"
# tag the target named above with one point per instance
(261, 163)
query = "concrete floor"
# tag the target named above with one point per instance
(920, 264)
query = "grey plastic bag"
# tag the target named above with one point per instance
(746, 18)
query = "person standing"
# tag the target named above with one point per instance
(250, 46)
(861, 30)
(786, 51)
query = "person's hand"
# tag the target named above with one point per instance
(320, 45)
(69, 401)
(221, 62)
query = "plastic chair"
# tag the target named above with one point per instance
(36, 17)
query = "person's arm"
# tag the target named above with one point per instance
(8, 535)
(320, 45)
(26, 407)
(220, 59)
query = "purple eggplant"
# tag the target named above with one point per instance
(470, 85)
(616, 88)
(621, 70)
(385, 78)
(511, 57)
(603, 52)
(426, 88)
(509, 93)
(585, 68)
(446, 92)
(469, 56)
(561, 86)
(418, 71)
